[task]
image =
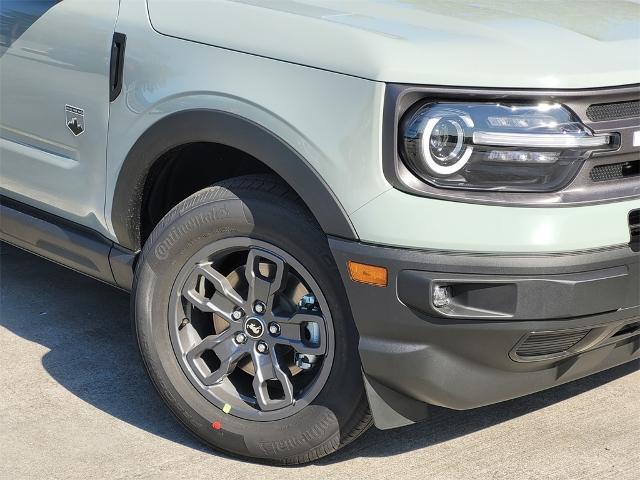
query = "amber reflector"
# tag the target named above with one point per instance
(369, 274)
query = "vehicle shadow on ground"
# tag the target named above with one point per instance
(85, 324)
(86, 327)
(444, 424)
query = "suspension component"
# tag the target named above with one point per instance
(308, 302)
(304, 361)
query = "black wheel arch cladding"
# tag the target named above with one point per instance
(200, 125)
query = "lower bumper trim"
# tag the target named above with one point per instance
(582, 308)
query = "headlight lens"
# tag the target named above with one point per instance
(519, 148)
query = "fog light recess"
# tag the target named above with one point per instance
(441, 296)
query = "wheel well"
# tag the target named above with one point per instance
(186, 169)
(171, 160)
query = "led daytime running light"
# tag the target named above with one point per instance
(434, 166)
(543, 140)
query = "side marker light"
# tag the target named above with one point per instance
(369, 274)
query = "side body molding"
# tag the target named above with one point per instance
(225, 128)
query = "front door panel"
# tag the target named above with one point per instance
(54, 86)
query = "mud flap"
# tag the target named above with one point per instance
(391, 409)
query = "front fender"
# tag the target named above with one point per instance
(228, 129)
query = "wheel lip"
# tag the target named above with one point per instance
(239, 243)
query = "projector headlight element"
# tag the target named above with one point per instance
(443, 143)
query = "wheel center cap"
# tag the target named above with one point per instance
(254, 327)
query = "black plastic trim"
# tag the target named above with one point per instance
(505, 287)
(399, 98)
(66, 243)
(411, 349)
(634, 229)
(595, 336)
(523, 297)
(391, 409)
(489, 263)
(122, 263)
(224, 128)
(116, 65)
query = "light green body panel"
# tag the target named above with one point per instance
(313, 74)
(396, 218)
(484, 43)
(61, 59)
(333, 120)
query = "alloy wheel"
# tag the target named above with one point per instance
(251, 329)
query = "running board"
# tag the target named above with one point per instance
(66, 243)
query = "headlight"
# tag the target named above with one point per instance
(518, 148)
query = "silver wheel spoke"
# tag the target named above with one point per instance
(268, 369)
(224, 299)
(264, 285)
(292, 333)
(227, 366)
(224, 348)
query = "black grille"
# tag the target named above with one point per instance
(602, 112)
(549, 343)
(615, 171)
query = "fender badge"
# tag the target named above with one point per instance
(75, 119)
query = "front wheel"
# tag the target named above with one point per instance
(244, 326)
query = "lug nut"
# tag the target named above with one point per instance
(240, 337)
(274, 329)
(262, 347)
(259, 307)
(237, 314)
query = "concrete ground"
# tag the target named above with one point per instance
(75, 403)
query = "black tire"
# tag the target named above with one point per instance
(263, 208)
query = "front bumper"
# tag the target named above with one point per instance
(517, 323)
